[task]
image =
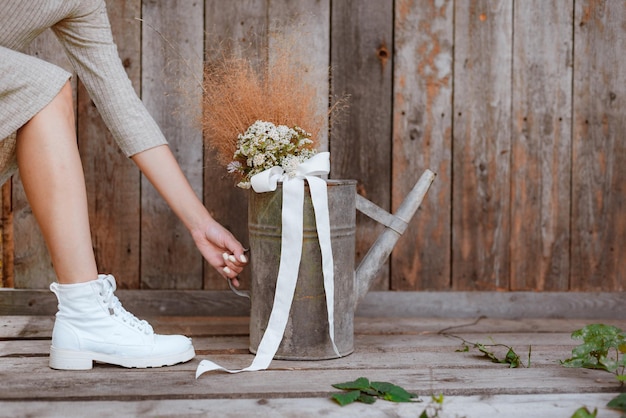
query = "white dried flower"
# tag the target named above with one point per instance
(290, 165)
(258, 160)
(244, 184)
(233, 166)
(265, 145)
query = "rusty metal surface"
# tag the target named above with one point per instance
(306, 335)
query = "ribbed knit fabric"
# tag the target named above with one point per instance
(28, 84)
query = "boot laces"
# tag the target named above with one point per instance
(115, 307)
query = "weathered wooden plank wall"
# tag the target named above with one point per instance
(517, 105)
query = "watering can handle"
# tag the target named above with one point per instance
(242, 293)
(398, 222)
(380, 215)
(396, 225)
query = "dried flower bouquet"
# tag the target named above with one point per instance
(257, 119)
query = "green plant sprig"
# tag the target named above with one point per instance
(618, 403)
(584, 412)
(603, 348)
(511, 358)
(362, 390)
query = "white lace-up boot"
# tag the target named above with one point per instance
(92, 325)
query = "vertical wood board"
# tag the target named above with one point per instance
(8, 243)
(112, 180)
(238, 28)
(172, 62)
(307, 25)
(360, 143)
(481, 144)
(422, 137)
(599, 149)
(541, 145)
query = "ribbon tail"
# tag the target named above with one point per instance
(319, 197)
(291, 253)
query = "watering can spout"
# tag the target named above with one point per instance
(395, 224)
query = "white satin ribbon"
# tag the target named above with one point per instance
(291, 253)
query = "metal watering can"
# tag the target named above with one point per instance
(306, 335)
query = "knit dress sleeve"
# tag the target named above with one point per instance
(89, 44)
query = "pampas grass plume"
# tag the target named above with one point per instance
(236, 95)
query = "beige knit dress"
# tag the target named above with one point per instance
(28, 84)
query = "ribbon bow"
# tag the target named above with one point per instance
(291, 252)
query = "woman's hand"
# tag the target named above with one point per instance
(216, 244)
(220, 248)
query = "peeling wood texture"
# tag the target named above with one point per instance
(482, 145)
(541, 145)
(526, 137)
(422, 137)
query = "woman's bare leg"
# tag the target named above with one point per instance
(53, 179)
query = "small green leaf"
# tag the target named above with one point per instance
(382, 387)
(393, 393)
(346, 398)
(512, 358)
(437, 399)
(621, 377)
(486, 352)
(464, 349)
(607, 363)
(618, 403)
(583, 412)
(573, 362)
(361, 383)
(365, 398)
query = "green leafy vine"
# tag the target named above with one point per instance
(511, 357)
(603, 348)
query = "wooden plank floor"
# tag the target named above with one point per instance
(406, 351)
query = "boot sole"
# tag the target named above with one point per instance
(83, 360)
